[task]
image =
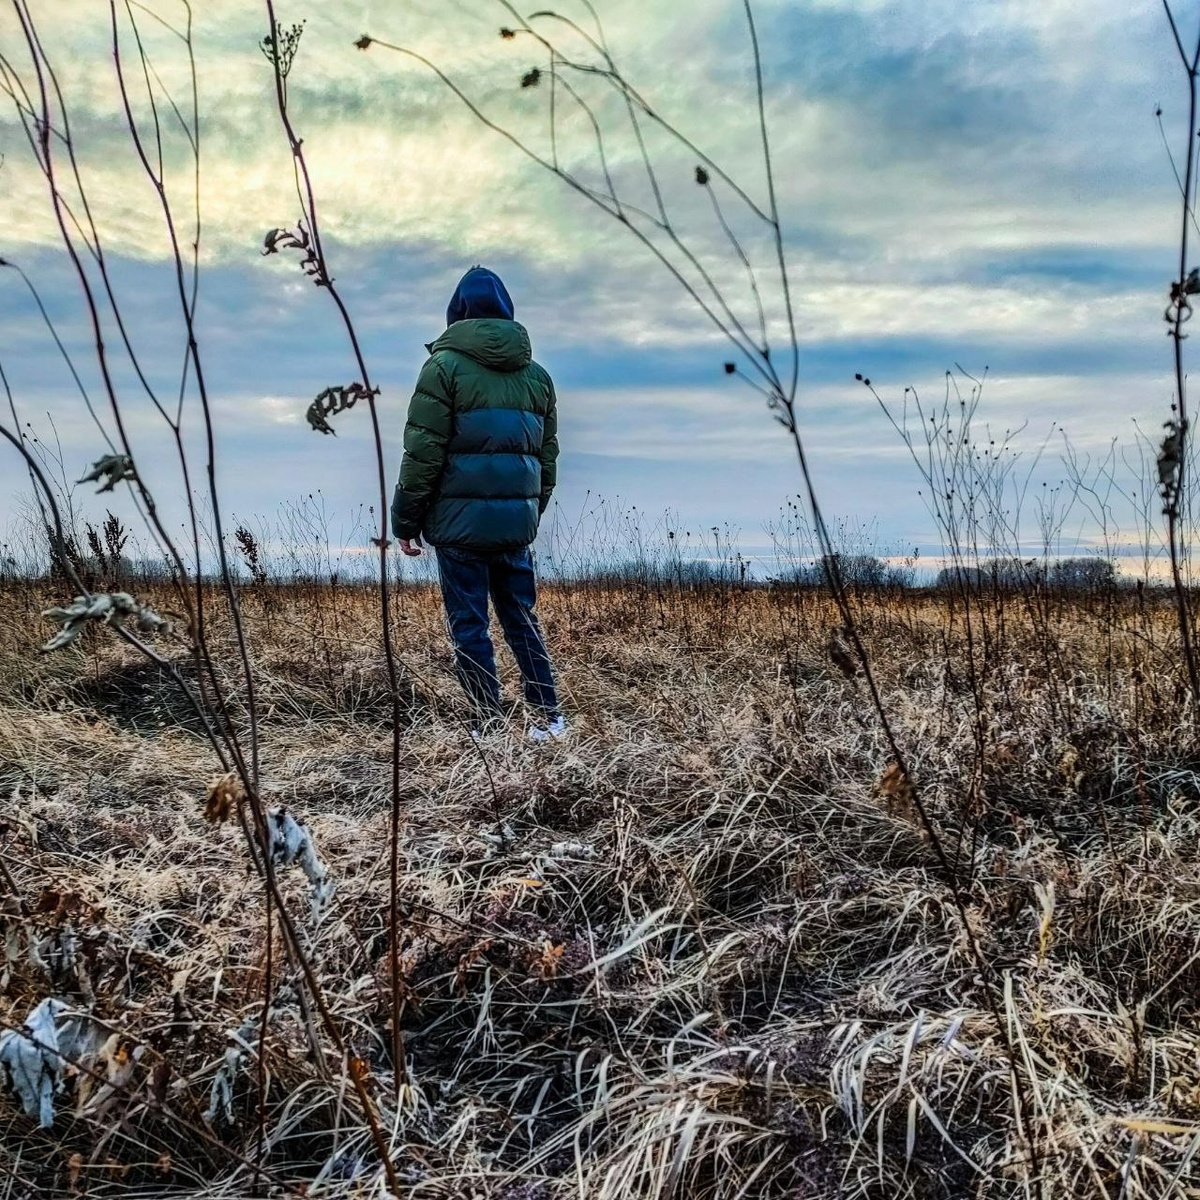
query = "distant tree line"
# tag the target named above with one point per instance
(1063, 574)
(864, 571)
(102, 561)
(867, 572)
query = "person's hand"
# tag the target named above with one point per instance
(411, 546)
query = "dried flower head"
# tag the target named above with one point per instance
(280, 46)
(334, 400)
(897, 791)
(531, 78)
(1170, 462)
(223, 796)
(109, 608)
(112, 468)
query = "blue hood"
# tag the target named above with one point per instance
(480, 294)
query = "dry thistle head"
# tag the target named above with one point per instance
(224, 794)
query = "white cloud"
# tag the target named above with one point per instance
(916, 143)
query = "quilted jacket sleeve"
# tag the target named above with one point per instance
(426, 435)
(549, 454)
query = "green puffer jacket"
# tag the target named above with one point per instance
(481, 442)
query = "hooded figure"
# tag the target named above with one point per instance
(480, 294)
(481, 443)
(480, 455)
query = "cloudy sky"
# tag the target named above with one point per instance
(982, 184)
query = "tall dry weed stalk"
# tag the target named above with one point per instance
(280, 47)
(1173, 454)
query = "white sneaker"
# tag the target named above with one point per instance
(555, 730)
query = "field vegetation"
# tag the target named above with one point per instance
(704, 949)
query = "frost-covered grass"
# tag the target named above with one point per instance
(693, 952)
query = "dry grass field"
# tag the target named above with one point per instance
(697, 951)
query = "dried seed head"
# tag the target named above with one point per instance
(280, 45)
(110, 608)
(897, 791)
(1170, 460)
(112, 468)
(334, 400)
(1069, 768)
(223, 796)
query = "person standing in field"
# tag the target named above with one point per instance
(480, 454)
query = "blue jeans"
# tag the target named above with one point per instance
(468, 577)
